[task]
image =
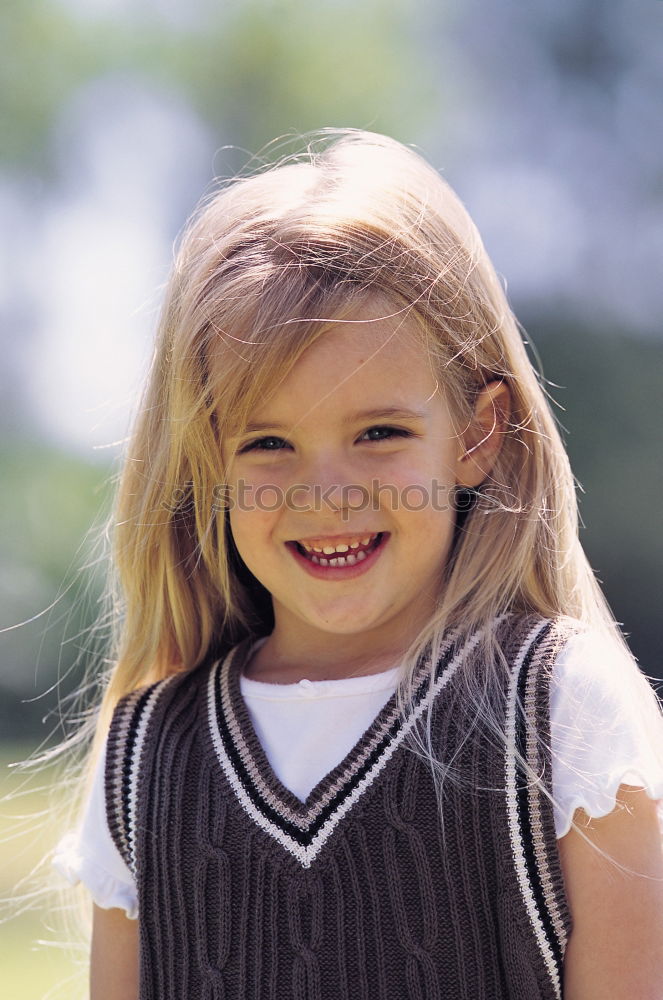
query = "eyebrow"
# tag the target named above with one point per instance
(384, 413)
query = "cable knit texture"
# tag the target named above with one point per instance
(363, 892)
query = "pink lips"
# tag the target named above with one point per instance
(339, 572)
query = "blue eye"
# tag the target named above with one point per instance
(260, 444)
(390, 432)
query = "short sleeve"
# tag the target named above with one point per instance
(606, 729)
(89, 855)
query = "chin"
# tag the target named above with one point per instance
(345, 625)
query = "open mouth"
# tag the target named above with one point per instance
(341, 554)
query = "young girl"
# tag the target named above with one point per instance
(370, 730)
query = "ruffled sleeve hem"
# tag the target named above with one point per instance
(599, 802)
(106, 890)
(606, 729)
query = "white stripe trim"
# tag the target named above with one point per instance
(307, 854)
(115, 765)
(515, 832)
(134, 774)
(536, 821)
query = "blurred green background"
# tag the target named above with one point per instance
(116, 115)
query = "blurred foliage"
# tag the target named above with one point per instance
(252, 69)
(604, 384)
(51, 577)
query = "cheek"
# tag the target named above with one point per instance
(259, 489)
(252, 520)
(252, 533)
(421, 485)
(246, 513)
(254, 495)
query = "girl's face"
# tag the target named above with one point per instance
(340, 501)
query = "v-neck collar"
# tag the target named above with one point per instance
(303, 827)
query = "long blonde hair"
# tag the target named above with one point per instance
(262, 271)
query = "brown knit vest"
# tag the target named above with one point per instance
(361, 892)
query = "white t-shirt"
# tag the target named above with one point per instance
(606, 730)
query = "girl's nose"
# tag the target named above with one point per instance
(333, 486)
(345, 496)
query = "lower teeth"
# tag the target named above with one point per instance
(341, 560)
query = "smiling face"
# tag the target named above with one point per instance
(354, 456)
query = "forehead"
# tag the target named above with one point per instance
(372, 357)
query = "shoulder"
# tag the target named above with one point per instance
(595, 672)
(585, 673)
(132, 719)
(135, 711)
(531, 646)
(577, 656)
(525, 636)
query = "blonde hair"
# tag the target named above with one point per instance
(263, 270)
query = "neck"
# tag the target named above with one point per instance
(289, 656)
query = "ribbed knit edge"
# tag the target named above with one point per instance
(124, 751)
(531, 816)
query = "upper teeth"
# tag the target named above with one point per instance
(340, 547)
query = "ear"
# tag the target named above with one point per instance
(481, 442)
